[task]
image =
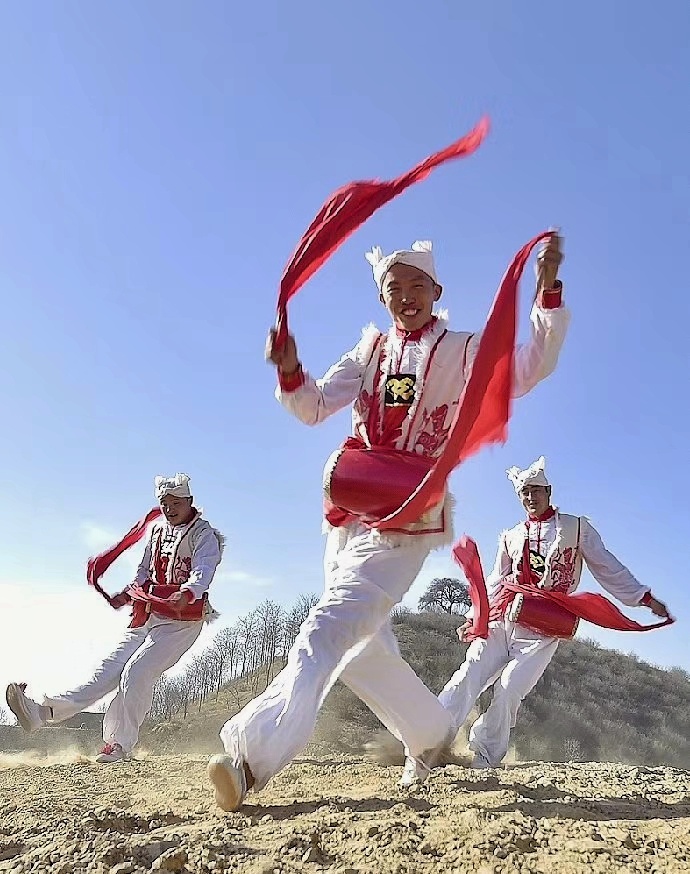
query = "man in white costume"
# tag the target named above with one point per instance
(405, 385)
(179, 562)
(513, 658)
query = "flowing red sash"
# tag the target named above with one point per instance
(589, 606)
(97, 566)
(348, 208)
(466, 554)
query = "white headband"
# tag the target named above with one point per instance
(533, 475)
(418, 256)
(177, 485)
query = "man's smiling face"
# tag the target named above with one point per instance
(178, 511)
(409, 296)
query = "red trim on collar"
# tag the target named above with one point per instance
(413, 336)
(547, 514)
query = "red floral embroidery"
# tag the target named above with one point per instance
(563, 570)
(181, 572)
(363, 403)
(363, 410)
(433, 435)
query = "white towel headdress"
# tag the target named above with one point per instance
(419, 256)
(533, 475)
(177, 485)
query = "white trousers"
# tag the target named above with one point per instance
(133, 668)
(513, 658)
(347, 635)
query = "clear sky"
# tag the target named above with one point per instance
(158, 163)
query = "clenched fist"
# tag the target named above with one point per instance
(120, 600)
(181, 599)
(462, 629)
(657, 607)
(549, 259)
(283, 355)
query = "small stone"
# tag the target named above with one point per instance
(501, 853)
(372, 830)
(172, 860)
(123, 868)
(312, 855)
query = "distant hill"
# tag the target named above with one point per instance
(592, 704)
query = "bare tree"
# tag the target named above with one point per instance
(399, 612)
(294, 619)
(270, 623)
(247, 640)
(225, 646)
(251, 648)
(207, 670)
(445, 595)
(4, 716)
(168, 698)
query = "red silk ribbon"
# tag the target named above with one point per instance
(97, 566)
(348, 208)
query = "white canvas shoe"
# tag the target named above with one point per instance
(414, 773)
(111, 753)
(229, 782)
(30, 715)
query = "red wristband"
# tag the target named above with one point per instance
(290, 382)
(551, 298)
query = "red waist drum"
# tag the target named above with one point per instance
(193, 612)
(374, 482)
(543, 616)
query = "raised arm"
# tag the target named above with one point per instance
(312, 401)
(549, 320)
(537, 359)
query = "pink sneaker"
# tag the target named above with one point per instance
(110, 753)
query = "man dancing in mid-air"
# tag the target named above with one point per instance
(179, 562)
(405, 385)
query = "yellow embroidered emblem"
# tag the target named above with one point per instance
(400, 390)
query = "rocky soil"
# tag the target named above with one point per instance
(63, 814)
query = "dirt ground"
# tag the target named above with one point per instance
(64, 814)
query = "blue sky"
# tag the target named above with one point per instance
(158, 163)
